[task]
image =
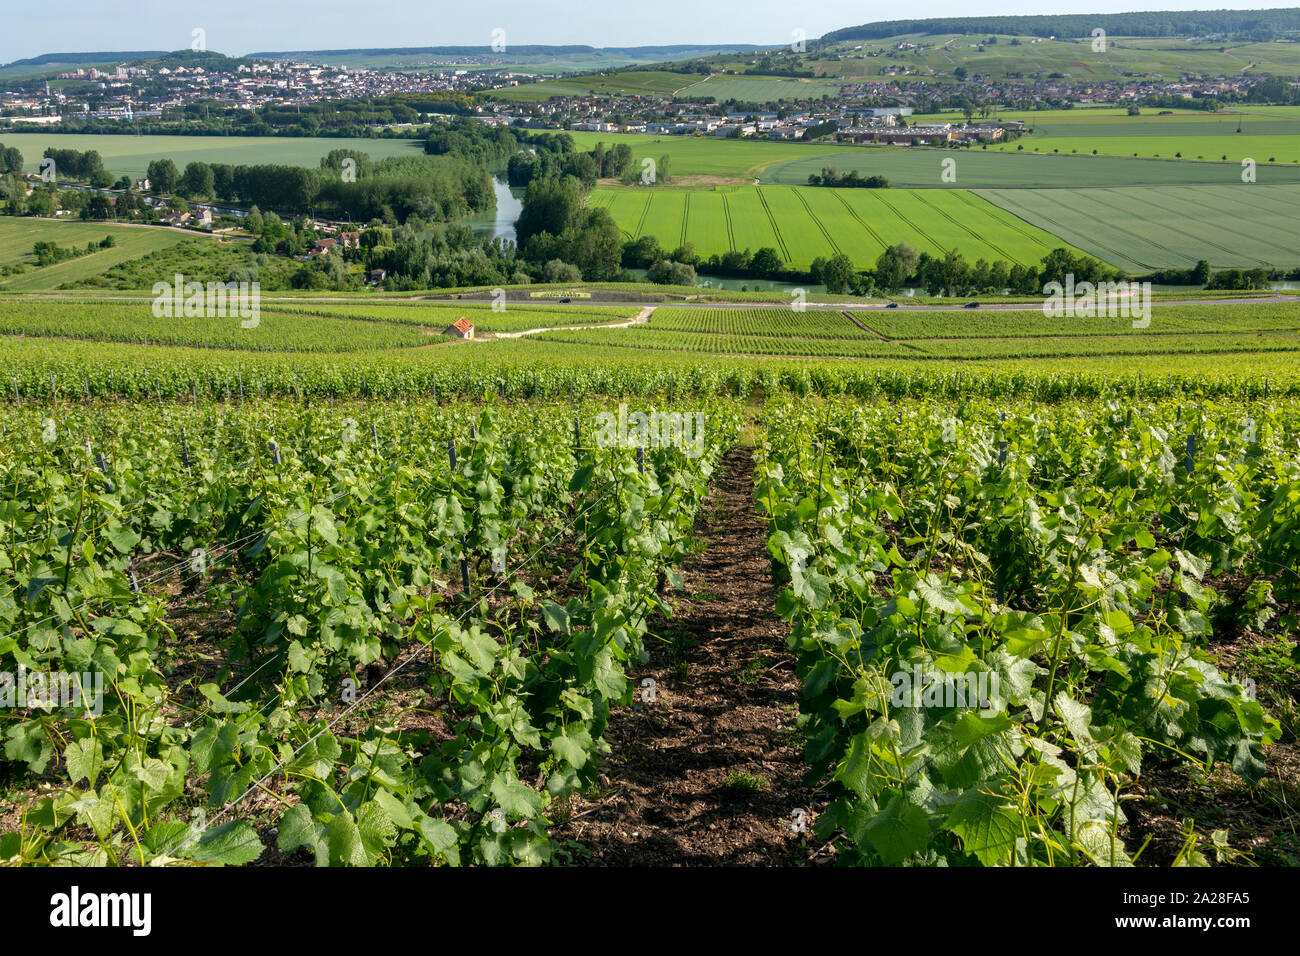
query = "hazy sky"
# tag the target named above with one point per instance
(243, 26)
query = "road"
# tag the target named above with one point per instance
(855, 306)
(434, 299)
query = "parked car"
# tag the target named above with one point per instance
(971, 305)
(892, 305)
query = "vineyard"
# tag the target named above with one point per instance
(312, 594)
(274, 332)
(1002, 617)
(279, 327)
(399, 632)
(252, 587)
(949, 335)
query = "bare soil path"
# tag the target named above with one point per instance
(710, 771)
(641, 318)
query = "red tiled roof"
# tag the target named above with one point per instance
(463, 325)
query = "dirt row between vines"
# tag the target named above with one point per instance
(710, 771)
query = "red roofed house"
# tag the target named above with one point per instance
(462, 328)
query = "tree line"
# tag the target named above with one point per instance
(437, 189)
(832, 177)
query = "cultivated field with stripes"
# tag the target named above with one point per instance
(803, 223)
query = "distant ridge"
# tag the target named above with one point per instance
(514, 51)
(83, 59)
(1255, 24)
(48, 64)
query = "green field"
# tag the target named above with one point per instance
(18, 235)
(711, 156)
(921, 168)
(761, 89)
(1183, 212)
(1137, 229)
(802, 223)
(1084, 122)
(1262, 134)
(630, 81)
(130, 155)
(1271, 148)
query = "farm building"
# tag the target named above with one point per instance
(462, 328)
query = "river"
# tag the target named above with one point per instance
(500, 223)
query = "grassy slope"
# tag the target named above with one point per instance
(1141, 55)
(637, 81)
(761, 89)
(17, 237)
